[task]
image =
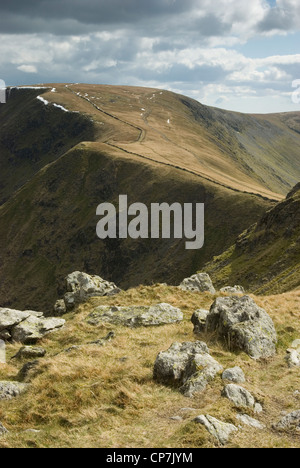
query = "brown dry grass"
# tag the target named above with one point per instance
(106, 397)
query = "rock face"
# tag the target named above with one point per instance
(136, 316)
(293, 354)
(235, 375)
(289, 422)
(81, 286)
(186, 365)
(200, 282)
(28, 326)
(244, 326)
(233, 290)
(9, 390)
(241, 398)
(199, 320)
(218, 429)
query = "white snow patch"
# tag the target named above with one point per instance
(60, 107)
(53, 90)
(30, 87)
(168, 121)
(44, 101)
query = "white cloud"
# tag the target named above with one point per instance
(28, 68)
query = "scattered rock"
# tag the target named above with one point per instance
(199, 320)
(30, 352)
(244, 326)
(235, 375)
(59, 308)
(176, 418)
(28, 371)
(248, 421)
(26, 327)
(9, 390)
(3, 430)
(200, 282)
(289, 422)
(240, 397)
(81, 286)
(218, 429)
(102, 341)
(233, 290)
(293, 354)
(186, 365)
(136, 316)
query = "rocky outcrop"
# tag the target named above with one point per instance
(243, 325)
(241, 398)
(188, 366)
(289, 422)
(9, 390)
(293, 354)
(200, 282)
(218, 429)
(136, 316)
(233, 290)
(80, 287)
(235, 375)
(26, 327)
(199, 320)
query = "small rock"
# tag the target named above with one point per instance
(248, 421)
(29, 352)
(289, 422)
(176, 418)
(136, 316)
(3, 430)
(293, 354)
(200, 282)
(218, 429)
(9, 390)
(33, 431)
(233, 290)
(239, 396)
(199, 320)
(102, 341)
(235, 375)
(59, 308)
(28, 371)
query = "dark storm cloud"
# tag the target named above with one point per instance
(19, 16)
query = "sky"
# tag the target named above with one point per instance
(241, 55)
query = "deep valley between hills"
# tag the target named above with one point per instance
(129, 343)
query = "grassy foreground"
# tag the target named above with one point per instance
(106, 397)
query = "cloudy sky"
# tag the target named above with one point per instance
(236, 54)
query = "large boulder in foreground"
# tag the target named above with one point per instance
(186, 365)
(244, 326)
(136, 316)
(26, 327)
(81, 286)
(200, 282)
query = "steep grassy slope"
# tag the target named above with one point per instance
(106, 397)
(48, 229)
(32, 135)
(266, 257)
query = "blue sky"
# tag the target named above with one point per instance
(239, 55)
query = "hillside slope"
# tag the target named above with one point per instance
(80, 145)
(266, 257)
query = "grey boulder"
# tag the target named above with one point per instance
(29, 352)
(234, 374)
(81, 286)
(243, 325)
(293, 354)
(199, 320)
(248, 421)
(136, 316)
(241, 398)
(289, 422)
(218, 429)
(188, 366)
(9, 390)
(34, 328)
(201, 282)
